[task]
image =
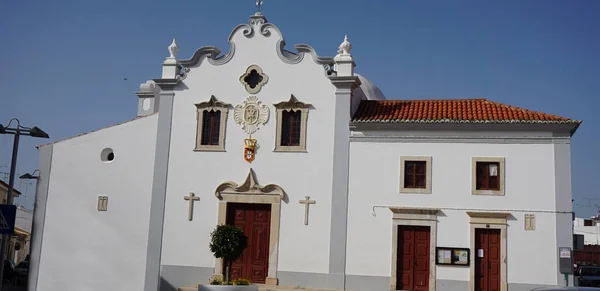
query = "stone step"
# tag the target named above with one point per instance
(288, 288)
(262, 287)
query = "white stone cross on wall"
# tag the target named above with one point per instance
(306, 202)
(191, 198)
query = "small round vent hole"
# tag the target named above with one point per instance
(107, 155)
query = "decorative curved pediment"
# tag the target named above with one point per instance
(257, 24)
(293, 103)
(249, 187)
(294, 58)
(212, 104)
(213, 54)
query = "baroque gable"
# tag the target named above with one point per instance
(257, 26)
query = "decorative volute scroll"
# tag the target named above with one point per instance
(251, 114)
(253, 79)
(249, 187)
(257, 26)
(292, 104)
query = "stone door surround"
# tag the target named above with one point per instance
(488, 220)
(252, 192)
(417, 217)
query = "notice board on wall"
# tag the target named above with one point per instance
(452, 256)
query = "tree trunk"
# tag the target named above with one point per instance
(227, 268)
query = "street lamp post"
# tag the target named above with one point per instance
(32, 176)
(17, 131)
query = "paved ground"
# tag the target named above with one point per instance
(13, 288)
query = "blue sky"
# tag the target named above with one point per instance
(63, 63)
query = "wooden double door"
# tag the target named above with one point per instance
(412, 264)
(255, 221)
(487, 259)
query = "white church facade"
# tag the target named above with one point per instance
(336, 186)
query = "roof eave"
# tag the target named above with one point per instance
(569, 126)
(575, 127)
(94, 130)
(466, 121)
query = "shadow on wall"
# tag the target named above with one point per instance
(165, 286)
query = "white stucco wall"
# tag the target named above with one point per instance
(87, 249)
(299, 174)
(374, 180)
(591, 234)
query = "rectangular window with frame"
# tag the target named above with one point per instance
(415, 174)
(488, 176)
(211, 125)
(290, 127)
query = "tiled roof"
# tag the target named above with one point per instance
(449, 111)
(4, 186)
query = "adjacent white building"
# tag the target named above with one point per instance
(335, 185)
(589, 228)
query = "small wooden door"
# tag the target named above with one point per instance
(255, 221)
(412, 265)
(487, 259)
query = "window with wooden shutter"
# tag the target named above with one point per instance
(290, 128)
(211, 125)
(291, 125)
(211, 119)
(488, 176)
(415, 174)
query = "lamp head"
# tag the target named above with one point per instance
(37, 132)
(29, 176)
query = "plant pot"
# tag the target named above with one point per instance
(202, 287)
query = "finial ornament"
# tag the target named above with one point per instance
(173, 49)
(258, 5)
(345, 47)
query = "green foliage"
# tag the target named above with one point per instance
(241, 281)
(216, 281)
(228, 242)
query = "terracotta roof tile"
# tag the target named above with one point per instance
(449, 111)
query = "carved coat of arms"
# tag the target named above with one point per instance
(251, 114)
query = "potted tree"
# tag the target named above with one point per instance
(228, 242)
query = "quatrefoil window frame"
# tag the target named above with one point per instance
(260, 84)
